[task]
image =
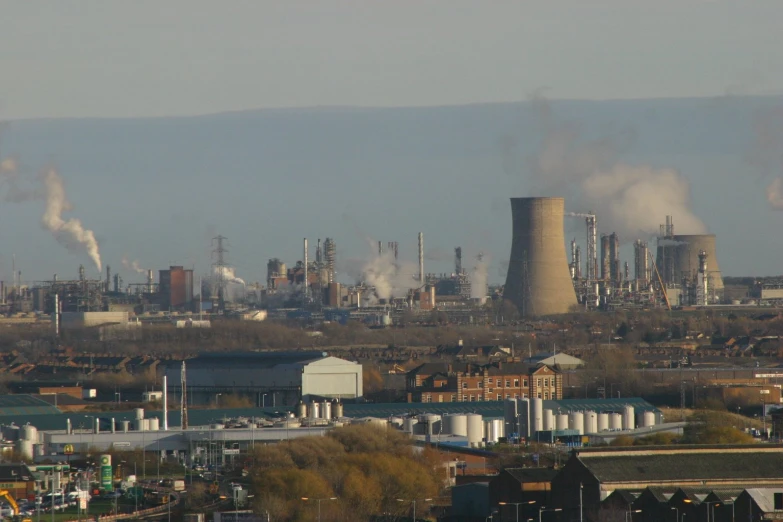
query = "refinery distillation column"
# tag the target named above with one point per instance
(538, 281)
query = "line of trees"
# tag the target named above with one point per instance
(366, 468)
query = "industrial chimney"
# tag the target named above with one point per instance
(538, 281)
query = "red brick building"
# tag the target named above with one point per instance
(442, 382)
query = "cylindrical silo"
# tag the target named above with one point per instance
(154, 423)
(459, 425)
(615, 421)
(538, 281)
(475, 429)
(591, 422)
(138, 413)
(138, 424)
(29, 433)
(301, 410)
(409, 424)
(24, 448)
(561, 421)
(678, 257)
(326, 410)
(146, 424)
(576, 421)
(536, 415)
(125, 426)
(431, 423)
(549, 420)
(629, 421)
(315, 410)
(648, 419)
(603, 421)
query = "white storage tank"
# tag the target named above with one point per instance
(431, 423)
(326, 410)
(494, 430)
(615, 421)
(409, 424)
(315, 410)
(154, 423)
(138, 424)
(549, 420)
(125, 426)
(475, 429)
(629, 422)
(576, 421)
(561, 421)
(338, 410)
(24, 448)
(139, 413)
(301, 410)
(29, 432)
(648, 419)
(397, 422)
(591, 422)
(456, 424)
(536, 415)
(146, 424)
(603, 422)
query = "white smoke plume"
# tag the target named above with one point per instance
(389, 277)
(71, 234)
(479, 277)
(228, 275)
(627, 199)
(132, 265)
(775, 194)
(234, 286)
(765, 153)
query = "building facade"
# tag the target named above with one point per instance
(438, 382)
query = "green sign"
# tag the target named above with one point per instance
(107, 484)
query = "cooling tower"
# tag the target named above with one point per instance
(538, 281)
(684, 258)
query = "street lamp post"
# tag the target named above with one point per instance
(217, 395)
(516, 504)
(413, 501)
(676, 514)
(543, 510)
(318, 500)
(629, 514)
(711, 505)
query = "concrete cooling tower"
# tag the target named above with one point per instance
(681, 258)
(538, 281)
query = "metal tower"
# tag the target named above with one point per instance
(219, 252)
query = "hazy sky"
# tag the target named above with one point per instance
(150, 58)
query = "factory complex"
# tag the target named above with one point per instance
(230, 433)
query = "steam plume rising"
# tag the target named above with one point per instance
(775, 194)
(132, 265)
(479, 277)
(71, 234)
(389, 277)
(628, 199)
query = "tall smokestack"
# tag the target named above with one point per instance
(108, 278)
(183, 381)
(56, 315)
(421, 258)
(150, 281)
(165, 404)
(305, 268)
(538, 281)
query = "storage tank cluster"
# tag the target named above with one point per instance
(528, 416)
(472, 426)
(320, 410)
